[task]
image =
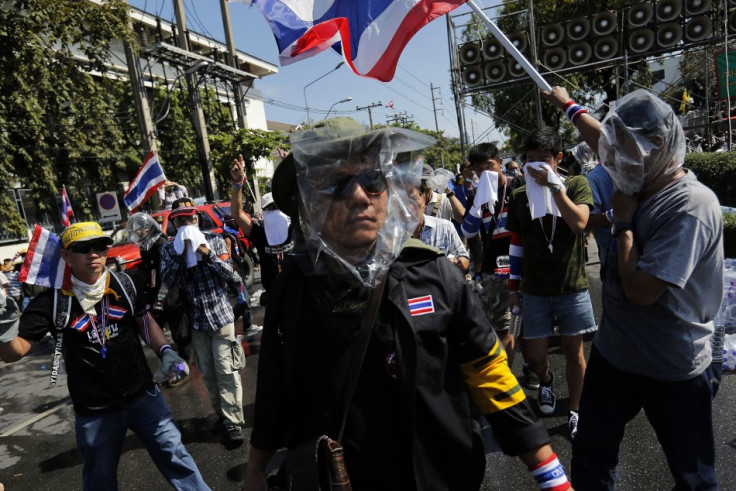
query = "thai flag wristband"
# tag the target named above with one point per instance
(550, 475)
(573, 111)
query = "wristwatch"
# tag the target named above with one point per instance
(619, 227)
(555, 189)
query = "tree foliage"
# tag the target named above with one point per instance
(56, 120)
(443, 154)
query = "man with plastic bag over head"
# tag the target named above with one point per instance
(430, 352)
(661, 290)
(166, 305)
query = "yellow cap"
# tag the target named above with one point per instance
(81, 232)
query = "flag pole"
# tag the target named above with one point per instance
(512, 50)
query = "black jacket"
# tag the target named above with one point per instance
(410, 423)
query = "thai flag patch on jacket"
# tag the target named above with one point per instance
(421, 305)
(82, 322)
(116, 313)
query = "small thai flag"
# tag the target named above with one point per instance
(421, 305)
(149, 178)
(116, 313)
(43, 265)
(66, 208)
(81, 323)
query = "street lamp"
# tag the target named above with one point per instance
(306, 104)
(347, 99)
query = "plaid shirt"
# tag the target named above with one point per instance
(205, 284)
(441, 234)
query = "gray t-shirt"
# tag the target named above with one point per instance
(679, 236)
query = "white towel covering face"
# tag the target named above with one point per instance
(187, 240)
(276, 224)
(487, 192)
(540, 197)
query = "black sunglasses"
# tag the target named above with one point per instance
(86, 247)
(372, 182)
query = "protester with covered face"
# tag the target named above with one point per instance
(662, 287)
(98, 319)
(201, 263)
(547, 220)
(429, 351)
(168, 306)
(272, 239)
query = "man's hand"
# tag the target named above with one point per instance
(237, 171)
(169, 358)
(624, 207)
(558, 97)
(202, 249)
(540, 176)
(513, 300)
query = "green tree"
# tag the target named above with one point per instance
(253, 144)
(58, 123)
(445, 153)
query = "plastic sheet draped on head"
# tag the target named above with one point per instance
(641, 140)
(142, 230)
(324, 156)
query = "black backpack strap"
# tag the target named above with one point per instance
(128, 288)
(61, 313)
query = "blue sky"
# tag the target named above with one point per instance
(425, 61)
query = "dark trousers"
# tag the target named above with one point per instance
(680, 413)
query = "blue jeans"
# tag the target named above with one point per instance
(100, 439)
(574, 314)
(680, 413)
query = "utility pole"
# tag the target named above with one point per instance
(533, 45)
(456, 92)
(203, 145)
(140, 97)
(402, 118)
(232, 60)
(369, 107)
(434, 106)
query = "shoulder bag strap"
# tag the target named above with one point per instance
(356, 362)
(61, 312)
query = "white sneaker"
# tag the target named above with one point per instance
(255, 328)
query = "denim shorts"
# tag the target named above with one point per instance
(574, 314)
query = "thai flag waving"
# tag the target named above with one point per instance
(66, 208)
(371, 33)
(43, 265)
(150, 176)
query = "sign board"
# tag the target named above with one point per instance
(726, 74)
(107, 203)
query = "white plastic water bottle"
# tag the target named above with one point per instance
(174, 370)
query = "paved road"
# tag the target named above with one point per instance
(38, 451)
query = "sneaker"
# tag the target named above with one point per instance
(531, 379)
(235, 434)
(546, 397)
(572, 423)
(255, 328)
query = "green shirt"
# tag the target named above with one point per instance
(562, 270)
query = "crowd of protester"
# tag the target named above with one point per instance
(389, 298)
